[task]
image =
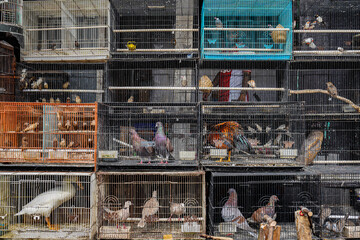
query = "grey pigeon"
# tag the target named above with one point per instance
(163, 146)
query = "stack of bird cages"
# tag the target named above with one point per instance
(40, 133)
(67, 30)
(11, 12)
(43, 205)
(140, 82)
(254, 30)
(339, 213)
(151, 205)
(327, 94)
(148, 135)
(7, 71)
(235, 199)
(156, 28)
(252, 134)
(327, 29)
(61, 83)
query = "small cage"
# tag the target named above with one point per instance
(161, 204)
(148, 135)
(327, 29)
(40, 133)
(252, 134)
(11, 12)
(253, 30)
(45, 205)
(142, 82)
(7, 72)
(65, 83)
(232, 195)
(156, 28)
(66, 31)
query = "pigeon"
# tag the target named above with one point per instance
(331, 89)
(75, 125)
(218, 23)
(340, 49)
(338, 226)
(176, 209)
(163, 146)
(231, 213)
(269, 210)
(120, 215)
(71, 144)
(43, 100)
(277, 139)
(142, 148)
(151, 207)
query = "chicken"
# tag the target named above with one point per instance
(331, 89)
(120, 215)
(228, 135)
(231, 213)
(142, 148)
(151, 207)
(269, 210)
(163, 146)
(176, 209)
(31, 127)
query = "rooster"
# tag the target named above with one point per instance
(229, 135)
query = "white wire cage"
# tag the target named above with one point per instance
(27, 198)
(11, 12)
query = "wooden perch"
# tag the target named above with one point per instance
(213, 237)
(306, 211)
(303, 224)
(269, 230)
(305, 91)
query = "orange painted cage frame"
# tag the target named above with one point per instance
(47, 133)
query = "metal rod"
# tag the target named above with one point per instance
(155, 30)
(64, 28)
(247, 29)
(160, 50)
(336, 162)
(64, 90)
(327, 31)
(193, 88)
(325, 52)
(122, 143)
(244, 49)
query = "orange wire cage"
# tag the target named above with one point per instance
(47, 133)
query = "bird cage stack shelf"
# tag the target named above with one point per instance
(327, 114)
(7, 72)
(151, 205)
(246, 30)
(156, 29)
(43, 205)
(70, 30)
(61, 83)
(327, 29)
(150, 135)
(44, 134)
(238, 201)
(248, 134)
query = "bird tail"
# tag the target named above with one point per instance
(141, 224)
(242, 144)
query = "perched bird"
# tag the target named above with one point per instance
(277, 139)
(163, 146)
(142, 148)
(253, 141)
(131, 45)
(31, 127)
(46, 85)
(319, 19)
(90, 143)
(231, 213)
(93, 125)
(24, 142)
(77, 99)
(309, 42)
(57, 100)
(131, 99)
(71, 144)
(258, 127)
(229, 135)
(52, 100)
(39, 46)
(251, 130)
(63, 143)
(288, 144)
(119, 215)
(218, 23)
(55, 143)
(75, 125)
(267, 129)
(269, 210)
(176, 209)
(183, 81)
(331, 89)
(23, 84)
(68, 125)
(252, 83)
(84, 126)
(37, 84)
(268, 143)
(338, 226)
(53, 46)
(151, 207)
(66, 85)
(68, 100)
(43, 100)
(282, 127)
(77, 45)
(340, 49)
(309, 25)
(48, 201)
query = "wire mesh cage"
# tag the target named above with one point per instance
(165, 82)
(40, 133)
(148, 135)
(151, 205)
(156, 28)
(11, 12)
(326, 29)
(252, 134)
(66, 30)
(237, 202)
(47, 205)
(254, 30)
(7, 72)
(65, 83)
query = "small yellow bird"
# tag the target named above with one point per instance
(131, 45)
(66, 85)
(78, 99)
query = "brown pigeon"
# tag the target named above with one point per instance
(151, 207)
(142, 148)
(269, 210)
(120, 215)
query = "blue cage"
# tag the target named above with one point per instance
(246, 29)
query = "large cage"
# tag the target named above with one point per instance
(152, 82)
(156, 28)
(11, 12)
(251, 29)
(252, 134)
(43, 134)
(61, 82)
(7, 72)
(67, 31)
(148, 135)
(327, 29)
(152, 196)
(249, 191)
(70, 198)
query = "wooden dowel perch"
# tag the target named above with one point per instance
(213, 237)
(306, 91)
(269, 230)
(303, 224)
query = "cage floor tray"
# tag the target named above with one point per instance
(252, 162)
